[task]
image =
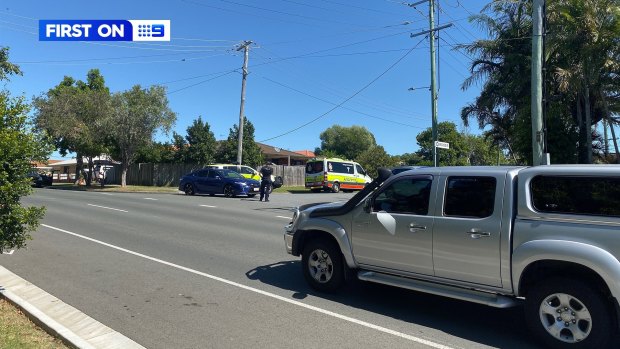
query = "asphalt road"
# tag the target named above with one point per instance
(172, 271)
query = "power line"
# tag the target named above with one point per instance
(347, 99)
(273, 11)
(348, 5)
(305, 40)
(460, 27)
(346, 108)
(101, 59)
(201, 82)
(329, 88)
(178, 60)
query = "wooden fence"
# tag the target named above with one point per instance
(170, 174)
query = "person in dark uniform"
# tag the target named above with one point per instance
(265, 184)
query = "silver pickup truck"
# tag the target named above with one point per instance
(545, 235)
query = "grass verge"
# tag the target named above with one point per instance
(18, 332)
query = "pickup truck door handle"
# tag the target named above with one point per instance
(415, 228)
(474, 234)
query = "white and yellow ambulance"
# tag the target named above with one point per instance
(333, 175)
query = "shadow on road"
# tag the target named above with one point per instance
(500, 328)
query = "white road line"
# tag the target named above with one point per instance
(108, 208)
(283, 217)
(106, 194)
(10, 252)
(208, 206)
(264, 293)
(151, 199)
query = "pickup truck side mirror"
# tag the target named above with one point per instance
(368, 205)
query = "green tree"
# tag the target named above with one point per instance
(465, 150)
(74, 114)
(374, 158)
(201, 142)
(19, 147)
(411, 159)
(346, 141)
(180, 149)
(251, 154)
(157, 152)
(582, 61)
(138, 114)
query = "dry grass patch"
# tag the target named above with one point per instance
(18, 332)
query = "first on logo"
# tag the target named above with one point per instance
(104, 30)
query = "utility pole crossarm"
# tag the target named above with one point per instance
(417, 3)
(431, 30)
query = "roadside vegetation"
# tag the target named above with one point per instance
(18, 332)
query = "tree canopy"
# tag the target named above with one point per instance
(347, 142)
(581, 61)
(74, 114)
(137, 115)
(465, 150)
(19, 148)
(201, 143)
(251, 153)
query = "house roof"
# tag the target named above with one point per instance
(274, 152)
(307, 153)
(97, 159)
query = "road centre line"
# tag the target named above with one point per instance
(108, 208)
(283, 217)
(264, 293)
(151, 199)
(208, 206)
(106, 194)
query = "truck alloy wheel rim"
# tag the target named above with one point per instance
(565, 318)
(320, 266)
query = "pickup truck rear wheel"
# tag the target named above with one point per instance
(322, 265)
(567, 313)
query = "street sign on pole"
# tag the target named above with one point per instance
(442, 145)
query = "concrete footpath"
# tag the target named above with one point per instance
(61, 320)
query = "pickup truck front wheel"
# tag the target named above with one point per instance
(567, 313)
(322, 265)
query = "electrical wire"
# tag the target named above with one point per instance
(201, 82)
(345, 108)
(349, 98)
(360, 7)
(329, 88)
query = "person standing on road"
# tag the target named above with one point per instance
(265, 184)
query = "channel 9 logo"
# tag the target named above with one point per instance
(104, 30)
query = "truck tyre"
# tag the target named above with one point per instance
(336, 187)
(568, 313)
(322, 265)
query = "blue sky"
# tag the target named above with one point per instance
(333, 48)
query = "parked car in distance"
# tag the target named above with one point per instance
(248, 172)
(245, 171)
(39, 180)
(218, 181)
(399, 169)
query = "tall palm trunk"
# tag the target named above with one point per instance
(588, 121)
